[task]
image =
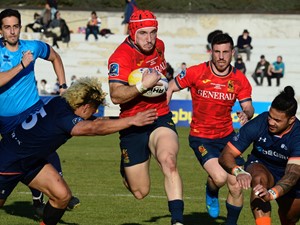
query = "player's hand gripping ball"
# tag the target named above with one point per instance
(136, 76)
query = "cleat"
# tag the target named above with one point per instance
(212, 205)
(73, 203)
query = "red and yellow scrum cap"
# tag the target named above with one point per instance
(141, 19)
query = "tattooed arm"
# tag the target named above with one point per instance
(284, 185)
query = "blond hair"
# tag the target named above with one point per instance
(86, 90)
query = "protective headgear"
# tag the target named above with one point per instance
(141, 19)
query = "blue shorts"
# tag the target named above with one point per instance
(277, 173)
(134, 141)
(205, 148)
(9, 182)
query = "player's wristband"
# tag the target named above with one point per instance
(237, 170)
(273, 193)
(22, 65)
(140, 87)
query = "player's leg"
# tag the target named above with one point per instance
(164, 146)
(55, 161)
(135, 159)
(289, 209)
(234, 202)
(137, 179)
(7, 185)
(260, 175)
(207, 152)
(53, 185)
(217, 178)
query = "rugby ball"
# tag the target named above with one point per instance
(136, 76)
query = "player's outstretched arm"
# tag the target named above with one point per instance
(172, 88)
(108, 126)
(284, 185)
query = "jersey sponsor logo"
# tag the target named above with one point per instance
(114, 69)
(272, 153)
(161, 67)
(216, 95)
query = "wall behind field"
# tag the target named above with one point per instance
(193, 25)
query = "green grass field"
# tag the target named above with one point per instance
(91, 167)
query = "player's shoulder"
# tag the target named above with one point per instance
(126, 48)
(159, 43)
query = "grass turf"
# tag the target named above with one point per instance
(91, 168)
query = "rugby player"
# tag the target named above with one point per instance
(24, 150)
(273, 167)
(142, 49)
(215, 86)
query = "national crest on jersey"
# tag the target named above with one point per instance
(230, 86)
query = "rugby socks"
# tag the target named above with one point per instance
(263, 221)
(52, 215)
(212, 193)
(176, 208)
(233, 213)
(37, 197)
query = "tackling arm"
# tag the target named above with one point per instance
(107, 126)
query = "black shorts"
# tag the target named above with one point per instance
(206, 149)
(8, 181)
(134, 140)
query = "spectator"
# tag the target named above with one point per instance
(73, 79)
(53, 7)
(210, 37)
(261, 70)
(93, 26)
(130, 7)
(37, 25)
(276, 70)
(55, 89)
(170, 72)
(240, 65)
(58, 30)
(181, 69)
(46, 17)
(243, 45)
(45, 89)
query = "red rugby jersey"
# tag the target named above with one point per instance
(213, 98)
(127, 58)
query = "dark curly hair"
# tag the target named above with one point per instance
(286, 102)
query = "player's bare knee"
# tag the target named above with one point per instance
(140, 194)
(168, 164)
